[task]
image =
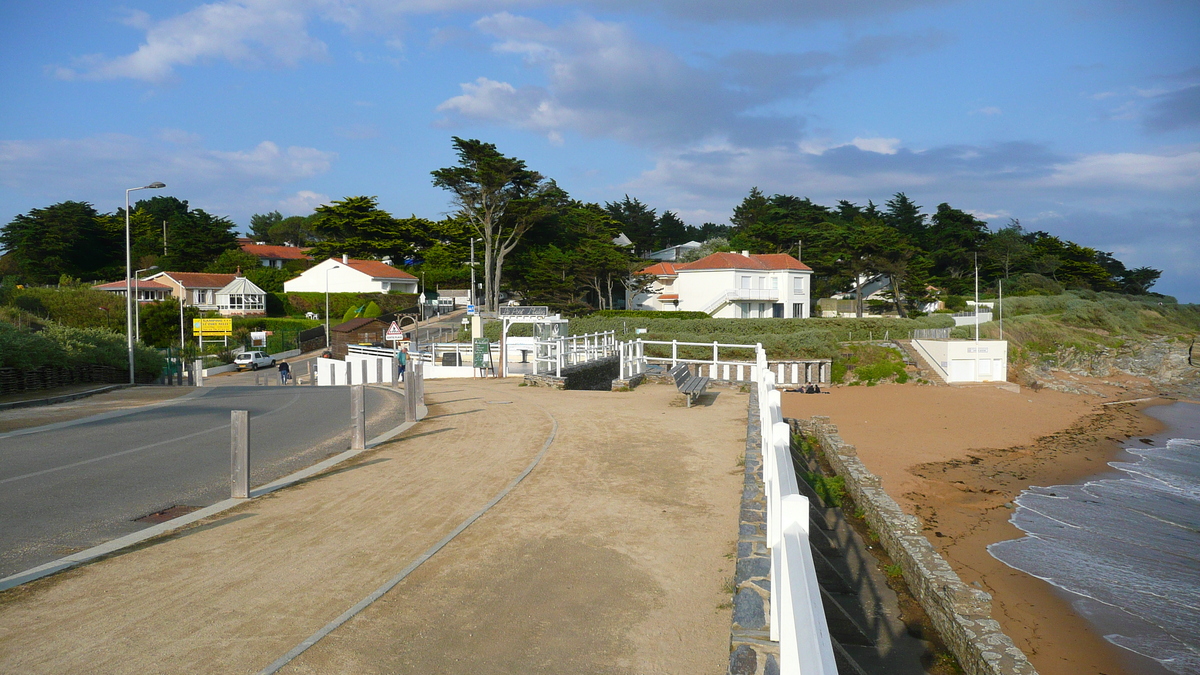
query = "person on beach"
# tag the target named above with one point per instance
(285, 372)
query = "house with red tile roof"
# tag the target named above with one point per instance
(350, 275)
(229, 294)
(144, 290)
(731, 285)
(271, 255)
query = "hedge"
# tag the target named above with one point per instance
(297, 304)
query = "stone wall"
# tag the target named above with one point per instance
(751, 651)
(961, 614)
(594, 375)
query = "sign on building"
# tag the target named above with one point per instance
(534, 311)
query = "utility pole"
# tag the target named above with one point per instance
(164, 238)
(471, 295)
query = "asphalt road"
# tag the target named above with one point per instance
(86, 482)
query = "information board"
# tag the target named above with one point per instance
(212, 327)
(482, 353)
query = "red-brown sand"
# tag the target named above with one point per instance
(957, 456)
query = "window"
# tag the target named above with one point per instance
(798, 285)
(745, 308)
(746, 283)
(797, 310)
(774, 283)
(762, 309)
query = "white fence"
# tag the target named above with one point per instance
(797, 616)
(931, 334)
(806, 371)
(551, 356)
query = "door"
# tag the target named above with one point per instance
(777, 310)
(962, 370)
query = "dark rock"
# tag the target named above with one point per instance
(772, 665)
(748, 610)
(743, 661)
(751, 567)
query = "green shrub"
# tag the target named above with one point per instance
(831, 489)
(372, 310)
(647, 314)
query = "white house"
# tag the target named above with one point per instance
(352, 276)
(194, 289)
(731, 285)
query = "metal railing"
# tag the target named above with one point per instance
(551, 356)
(797, 615)
(764, 294)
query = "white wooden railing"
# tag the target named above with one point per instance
(551, 356)
(801, 371)
(797, 616)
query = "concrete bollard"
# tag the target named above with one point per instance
(239, 454)
(395, 366)
(349, 373)
(312, 369)
(364, 372)
(198, 369)
(379, 371)
(358, 417)
(410, 392)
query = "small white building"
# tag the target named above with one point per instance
(349, 275)
(731, 285)
(966, 360)
(673, 253)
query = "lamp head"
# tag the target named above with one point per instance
(156, 185)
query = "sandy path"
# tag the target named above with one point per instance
(608, 558)
(955, 456)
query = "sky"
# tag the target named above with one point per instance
(1081, 119)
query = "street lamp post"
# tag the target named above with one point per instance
(137, 305)
(327, 303)
(128, 287)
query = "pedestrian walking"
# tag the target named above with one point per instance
(285, 372)
(403, 359)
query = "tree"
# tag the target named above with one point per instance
(1007, 248)
(66, 238)
(261, 224)
(497, 195)
(357, 227)
(294, 230)
(905, 216)
(232, 261)
(195, 238)
(670, 231)
(637, 222)
(160, 322)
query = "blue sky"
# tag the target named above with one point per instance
(1078, 118)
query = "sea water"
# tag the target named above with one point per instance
(1126, 546)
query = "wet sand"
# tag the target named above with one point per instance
(957, 456)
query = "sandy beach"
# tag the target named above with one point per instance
(957, 457)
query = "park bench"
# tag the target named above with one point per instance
(688, 384)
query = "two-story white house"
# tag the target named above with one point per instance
(349, 275)
(731, 285)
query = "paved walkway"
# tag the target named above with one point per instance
(610, 557)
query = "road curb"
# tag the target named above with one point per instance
(51, 400)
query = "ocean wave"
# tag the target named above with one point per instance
(1131, 543)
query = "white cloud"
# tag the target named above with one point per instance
(99, 168)
(883, 146)
(245, 32)
(302, 203)
(1129, 170)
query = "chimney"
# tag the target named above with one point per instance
(345, 259)
(746, 253)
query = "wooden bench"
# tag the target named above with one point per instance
(689, 385)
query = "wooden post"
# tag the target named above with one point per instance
(379, 371)
(358, 418)
(410, 390)
(312, 372)
(239, 454)
(395, 362)
(349, 374)
(198, 369)
(364, 372)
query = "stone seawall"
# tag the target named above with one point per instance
(962, 614)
